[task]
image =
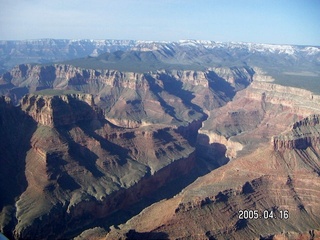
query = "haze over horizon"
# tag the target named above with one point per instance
(275, 22)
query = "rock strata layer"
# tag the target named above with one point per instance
(60, 110)
(258, 113)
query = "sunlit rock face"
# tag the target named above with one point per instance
(130, 99)
(59, 110)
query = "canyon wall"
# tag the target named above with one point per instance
(58, 76)
(60, 110)
(131, 99)
(140, 136)
(258, 113)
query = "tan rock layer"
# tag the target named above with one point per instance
(59, 76)
(58, 110)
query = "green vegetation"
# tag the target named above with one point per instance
(56, 92)
(308, 80)
(131, 66)
(309, 83)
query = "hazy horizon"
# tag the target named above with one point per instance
(272, 22)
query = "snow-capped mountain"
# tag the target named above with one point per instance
(200, 51)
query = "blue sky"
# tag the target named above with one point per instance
(269, 21)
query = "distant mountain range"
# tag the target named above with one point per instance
(284, 62)
(52, 50)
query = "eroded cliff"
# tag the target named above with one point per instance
(59, 110)
(263, 178)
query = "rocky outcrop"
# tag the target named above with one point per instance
(16, 130)
(235, 75)
(99, 209)
(58, 76)
(231, 147)
(59, 110)
(304, 133)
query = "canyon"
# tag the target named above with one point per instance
(172, 146)
(279, 173)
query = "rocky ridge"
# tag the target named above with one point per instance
(51, 50)
(304, 134)
(123, 55)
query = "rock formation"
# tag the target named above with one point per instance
(60, 110)
(283, 177)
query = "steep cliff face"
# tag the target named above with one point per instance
(284, 177)
(94, 160)
(60, 110)
(304, 134)
(59, 76)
